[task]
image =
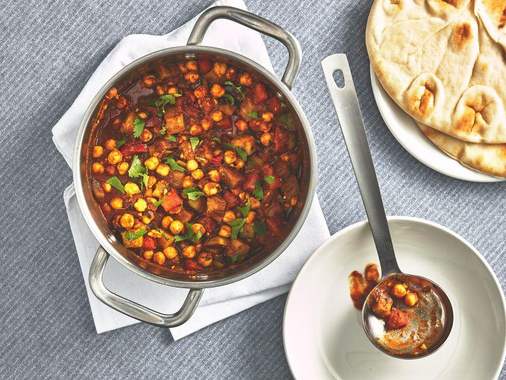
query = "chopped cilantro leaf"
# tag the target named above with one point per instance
(192, 193)
(194, 141)
(259, 191)
(242, 153)
(157, 203)
(245, 209)
(120, 142)
(116, 183)
(253, 115)
(163, 131)
(229, 98)
(171, 138)
(269, 179)
(174, 165)
(235, 89)
(138, 127)
(189, 235)
(136, 169)
(237, 226)
(132, 235)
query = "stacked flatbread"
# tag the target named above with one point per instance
(444, 63)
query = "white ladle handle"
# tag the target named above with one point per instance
(350, 118)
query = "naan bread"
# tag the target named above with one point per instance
(486, 158)
(443, 62)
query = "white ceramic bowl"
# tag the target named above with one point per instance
(406, 132)
(322, 331)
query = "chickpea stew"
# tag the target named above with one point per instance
(197, 165)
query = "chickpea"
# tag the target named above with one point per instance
(205, 259)
(148, 255)
(229, 156)
(107, 188)
(166, 221)
(116, 203)
(176, 227)
(196, 130)
(97, 168)
(250, 217)
(241, 125)
(293, 201)
(149, 81)
(163, 170)
(255, 203)
(217, 91)
(126, 220)
(146, 135)
(206, 124)
(98, 150)
(267, 116)
(123, 168)
(266, 138)
(170, 253)
(198, 174)
(143, 115)
(152, 163)
(192, 76)
(141, 205)
(214, 175)
(112, 93)
(399, 290)
(229, 216)
(98, 192)
(159, 258)
(200, 92)
(220, 69)
(225, 231)
(239, 164)
(159, 90)
(191, 65)
(182, 68)
(192, 165)
(172, 90)
(217, 116)
(411, 299)
(230, 73)
(148, 217)
(110, 144)
(114, 157)
(211, 188)
(197, 227)
(245, 79)
(189, 251)
(132, 188)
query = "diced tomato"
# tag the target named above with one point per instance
(274, 105)
(149, 243)
(397, 319)
(251, 180)
(216, 160)
(280, 139)
(172, 202)
(184, 216)
(259, 93)
(267, 170)
(208, 223)
(133, 148)
(191, 265)
(204, 66)
(274, 226)
(231, 199)
(230, 176)
(225, 123)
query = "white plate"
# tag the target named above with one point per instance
(322, 331)
(407, 133)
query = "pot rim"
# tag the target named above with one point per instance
(102, 239)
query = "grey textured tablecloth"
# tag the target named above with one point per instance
(47, 51)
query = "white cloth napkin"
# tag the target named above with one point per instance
(217, 303)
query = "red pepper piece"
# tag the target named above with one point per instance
(149, 243)
(259, 93)
(133, 148)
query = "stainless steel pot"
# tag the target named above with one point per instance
(97, 224)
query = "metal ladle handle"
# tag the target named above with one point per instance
(350, 118)
(133, 309)
(257, 23)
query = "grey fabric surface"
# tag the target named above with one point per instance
(47, 51)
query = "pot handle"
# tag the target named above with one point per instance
(133, 309)
(260, 25)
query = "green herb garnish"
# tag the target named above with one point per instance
(253, 115)
(120, 142)
(260, 227)
(237, 226)
(116, 183)
(138, 127)
(158, 203)
(192, 193)
(132, 235)
(236, 89)
(241, 152)
(259, 191)
(244, 210)
(138, 170)
(189, 235)
(171, 138)
(286, 120)
(229, 98)
(174, 165)
(269, 179)
(194, 141)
